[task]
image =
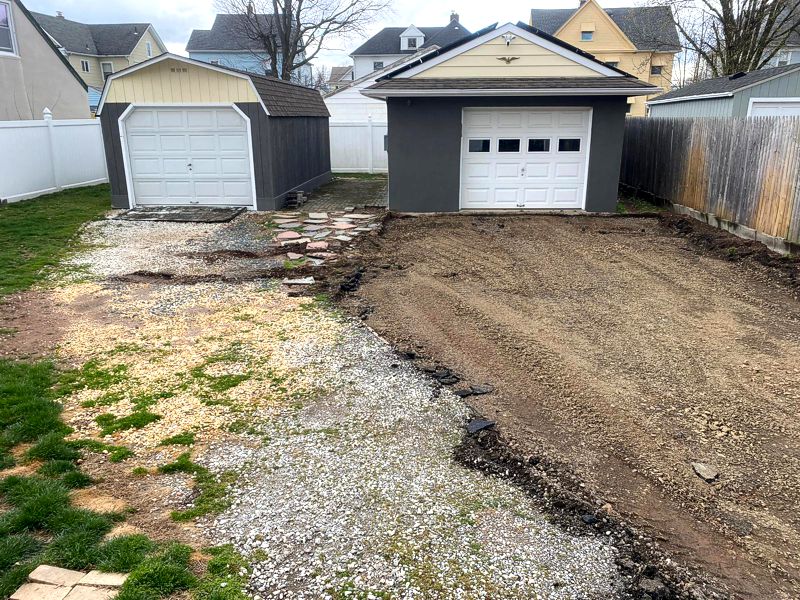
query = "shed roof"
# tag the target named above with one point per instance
(112, 39)
(727, 85)
(337, 73)
(387, 40)
(647, 27)
(280, 98)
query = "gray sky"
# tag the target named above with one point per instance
(175, 19)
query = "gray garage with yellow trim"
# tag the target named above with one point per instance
(183, 132)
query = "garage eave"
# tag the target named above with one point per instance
(382, 94)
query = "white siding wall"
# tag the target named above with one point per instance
(363, 65)
(50, 155)
(358, 147)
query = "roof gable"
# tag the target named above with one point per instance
(725, 86)
(611, 35)
(387, 40)
(113, 39)
(647, 27)
(507, 51)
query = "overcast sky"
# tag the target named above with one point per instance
(175, 19)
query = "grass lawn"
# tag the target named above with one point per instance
(35, 234)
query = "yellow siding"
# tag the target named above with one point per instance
(607, 36)
(139, 53)
(484, 61)
(94, 77)
(174, 82)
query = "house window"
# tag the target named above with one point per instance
(586, 36)
(479, 145)
(569, 144)
(108, 69)
(539, 145)
(149, 47)
(6, 28)
(784, 58)
(412, 43)
(656, 69)
(85, 66)
(378, 64)
(508, 145)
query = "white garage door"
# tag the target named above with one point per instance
(180, 156)
(784, 107)
(524, 158)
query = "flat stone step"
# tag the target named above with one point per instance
(100, 579)
(55, 575)
(41, 591)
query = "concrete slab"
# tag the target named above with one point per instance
(55, 575)
(100, 579)
(87, 592)
(41, 591)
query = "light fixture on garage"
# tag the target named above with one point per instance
(509, 37)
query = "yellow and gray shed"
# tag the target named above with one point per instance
(182, 132)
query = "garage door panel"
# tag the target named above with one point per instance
(546, 173)
(182, 156)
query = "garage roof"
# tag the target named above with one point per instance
(621, 86)
(279, 98)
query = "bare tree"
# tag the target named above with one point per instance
(321, 76)
(293, 32)
(723, 37)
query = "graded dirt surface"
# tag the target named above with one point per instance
(623, 353)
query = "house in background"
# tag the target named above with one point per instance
(394, 43)
(765, 93)
(640, 40)
(227, 44)
(790, 53)
(469, 128)
(97, 50)
(34, 74)
(340, 77)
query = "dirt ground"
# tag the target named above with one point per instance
(624, 349)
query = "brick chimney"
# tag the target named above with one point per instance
(453, 17)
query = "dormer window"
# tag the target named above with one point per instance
(411, 39)
(6, 29)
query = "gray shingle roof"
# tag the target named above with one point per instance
(719, 85)
(337, 73)
(387, 40)
(286, 99)
(113, 39)
(647, 27)
(228, 33)
(511, 83)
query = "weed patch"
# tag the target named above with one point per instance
(110, 423)
(212, 489)
(181, 439)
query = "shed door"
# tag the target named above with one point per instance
(524, 157)
(766, 107)
(182, 156)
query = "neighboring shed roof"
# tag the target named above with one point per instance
(647, 27)
(387, 40)
(115, 39)
(727, 85)
(229, 32)
(409, 86)
(388, 68)
(338, 73)
(280, 98)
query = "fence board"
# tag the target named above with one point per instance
(358, 147)
(745, 170)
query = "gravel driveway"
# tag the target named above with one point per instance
(345, 486)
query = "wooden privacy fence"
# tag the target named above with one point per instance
(745, 170)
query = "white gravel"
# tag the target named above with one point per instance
(357, 492)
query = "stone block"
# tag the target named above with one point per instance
(100, 579)
(88, 592)
(41, 591)
(55, 575)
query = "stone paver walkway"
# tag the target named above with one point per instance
(55, 583)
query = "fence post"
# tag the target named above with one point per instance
(370, 159)
(47, 115)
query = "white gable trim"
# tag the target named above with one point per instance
(183, 59)
(513, 29)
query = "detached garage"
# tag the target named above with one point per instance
(506, 118)
(183, 132)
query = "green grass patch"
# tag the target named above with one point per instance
(140, 471)
(226, 578)
(182, 439)
(115, 453)
(212, 489)
(125, 553)
(290, 264)
(160, 575)
(35, 234)
(375, 176)
(110, 423)
(90, 376)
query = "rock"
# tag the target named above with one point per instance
(360, 216)
(288, 235)
(300, 281)
(55, 575)
(705, 472)
(318, 215)
(323, 255)
(589, 519)
(322, 234)
(340, 225)
(477, 425)
(463, 393)
(481, 389)
(317, 246)
(301, 240)
(313, 228)
(291, 225)
(654, 587)
(343, 238)
(294, 256)
(315, 221)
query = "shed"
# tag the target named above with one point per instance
(182, 132)
(764, 93)
(509, 117)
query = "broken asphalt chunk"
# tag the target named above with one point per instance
(477, 425)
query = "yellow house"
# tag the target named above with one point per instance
(642, 40)
(96, 51)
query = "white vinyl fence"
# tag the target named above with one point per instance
(358, 147)
(47, 156)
